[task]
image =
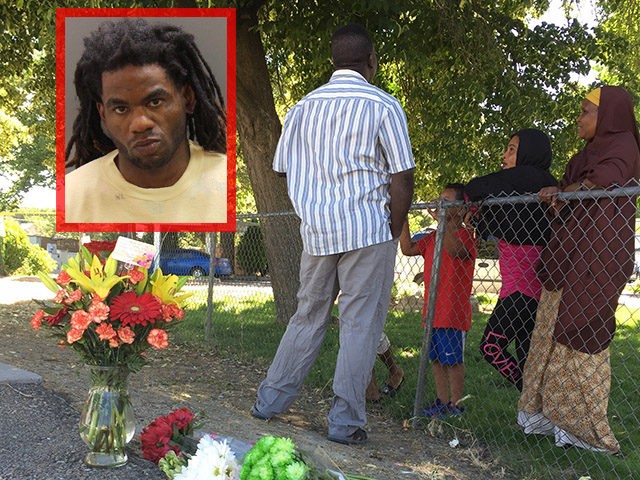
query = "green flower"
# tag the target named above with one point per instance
(297, 471)
(261, 472)
(265, 443)
(252, 456)
(280, 458)
(283, 445)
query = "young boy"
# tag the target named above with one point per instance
(453, 308)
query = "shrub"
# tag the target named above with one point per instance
(22, 257)
(252, 256)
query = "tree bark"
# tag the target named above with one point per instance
(259, 130)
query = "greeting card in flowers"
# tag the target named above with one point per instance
(134, 252)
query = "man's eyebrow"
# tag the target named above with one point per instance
(112, 102)
(155, 93)
(158, 92)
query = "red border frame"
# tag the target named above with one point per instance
(61, 15)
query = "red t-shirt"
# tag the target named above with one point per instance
(453, 307)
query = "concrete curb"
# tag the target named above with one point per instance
(17, 376)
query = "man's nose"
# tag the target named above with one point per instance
(141, 121)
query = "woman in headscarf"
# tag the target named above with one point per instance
(583, 270)
(522, 231)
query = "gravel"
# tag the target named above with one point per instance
(40, 440)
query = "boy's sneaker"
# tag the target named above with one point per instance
(437, 409)
(453, 409)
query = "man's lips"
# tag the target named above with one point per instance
(145, 142)
(146, 145)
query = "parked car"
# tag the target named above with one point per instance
(186, 261)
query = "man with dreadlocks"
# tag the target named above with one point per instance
(146, 97)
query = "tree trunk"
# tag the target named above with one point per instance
(259, 130)
(227, 246)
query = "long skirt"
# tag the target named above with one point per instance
(565, 392)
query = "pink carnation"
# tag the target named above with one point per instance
(80, 320)
(105, 331)
(171, 311)
(135, 276)
(36, 320)
(126, 335)
(99, 311)
(63, 278)
(158, 338)
(74, 296)
(74, 335)
(60, 296)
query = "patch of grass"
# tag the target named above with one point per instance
(244, 326)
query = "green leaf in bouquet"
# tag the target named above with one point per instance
(48, 282)
(171, 464)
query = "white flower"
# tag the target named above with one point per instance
(213, 461)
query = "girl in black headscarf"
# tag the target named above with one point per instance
(522, 231)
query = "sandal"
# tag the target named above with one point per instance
(390, 391)
(356, 438)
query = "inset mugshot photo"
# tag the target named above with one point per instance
(146, 141)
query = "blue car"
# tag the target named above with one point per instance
(187, 261)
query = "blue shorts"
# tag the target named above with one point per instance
(447, 345)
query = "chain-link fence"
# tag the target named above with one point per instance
(552, 286)
(579, 390)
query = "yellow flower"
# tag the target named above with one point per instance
(166, 288)
(101, 279)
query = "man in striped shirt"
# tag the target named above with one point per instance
(346, 154)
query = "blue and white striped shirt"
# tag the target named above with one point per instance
(339, 147)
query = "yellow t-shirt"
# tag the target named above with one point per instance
(98, 193)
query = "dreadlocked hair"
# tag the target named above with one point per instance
(136, 42)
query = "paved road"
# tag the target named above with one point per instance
(39, 437)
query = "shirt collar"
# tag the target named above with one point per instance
(345, 72)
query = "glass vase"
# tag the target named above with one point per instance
(107, 422)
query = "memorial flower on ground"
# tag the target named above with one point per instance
(111, 313)
(168, 441)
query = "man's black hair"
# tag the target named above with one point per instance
(351, 46)
(458, 188)
(136, 42)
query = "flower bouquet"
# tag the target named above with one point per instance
(168, 441)
(110, 313)
(276, 458)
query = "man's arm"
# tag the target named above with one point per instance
(401, 192)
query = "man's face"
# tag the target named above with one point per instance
(145, 114)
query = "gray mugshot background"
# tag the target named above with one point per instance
(210, 35)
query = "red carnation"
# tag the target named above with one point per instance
(155, 440)
(181, 418)
(57, 318)
(133, 310)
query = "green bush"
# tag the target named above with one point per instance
(252, 256)
(21, 257)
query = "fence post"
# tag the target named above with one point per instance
(211, 240)
(430, 313)
(157, 242)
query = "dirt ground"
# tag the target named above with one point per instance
(223, 389)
